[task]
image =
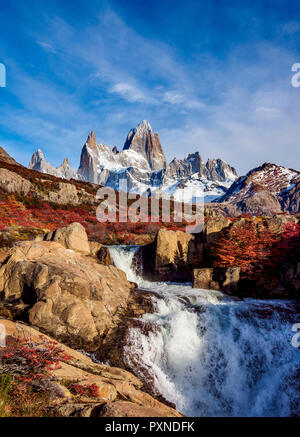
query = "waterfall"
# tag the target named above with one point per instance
(123, 258)
(213, 355)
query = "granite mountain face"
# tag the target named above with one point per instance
(142, 140)
(141, 167)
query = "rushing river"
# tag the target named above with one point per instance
(213, 355)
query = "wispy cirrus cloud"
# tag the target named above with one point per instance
(131, 93)
(46, 46)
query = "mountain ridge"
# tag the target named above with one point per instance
(271, 184)
(143, 167)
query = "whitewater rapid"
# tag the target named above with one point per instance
(213, 355)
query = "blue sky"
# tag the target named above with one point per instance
(213, 76)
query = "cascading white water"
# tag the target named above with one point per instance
(213, 355)
(122, 257)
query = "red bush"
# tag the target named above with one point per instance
(90, 391)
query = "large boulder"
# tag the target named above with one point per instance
(172, 253)
(202, 278)
(224, 279)
(213, 228)
(172, 256)
(72, 237)
(64, 293)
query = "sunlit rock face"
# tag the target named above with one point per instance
(142, 140)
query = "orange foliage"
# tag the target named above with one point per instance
(245, 246)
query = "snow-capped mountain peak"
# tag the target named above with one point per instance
(39, 163)
(146, 143)
(143, 128)
(142, 165)
(269, 188)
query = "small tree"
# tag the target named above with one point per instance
(246, 245)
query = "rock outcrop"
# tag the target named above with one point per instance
(172, 252)
(213, 229)
(104, 257)
(223, 279)
(119, 393)
(172, 256)
(14, 183)
(66, 194)
(65, 294)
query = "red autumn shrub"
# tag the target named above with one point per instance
(246, 245)
(287, 248)
(90, 391)
(31, 360)
(25, 367)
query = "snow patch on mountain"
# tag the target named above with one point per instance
(38, 163)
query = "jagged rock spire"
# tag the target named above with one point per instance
(142, 140)
(91, 140)
(39, 163)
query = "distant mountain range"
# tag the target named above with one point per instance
(143, 165)
(269, 189)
